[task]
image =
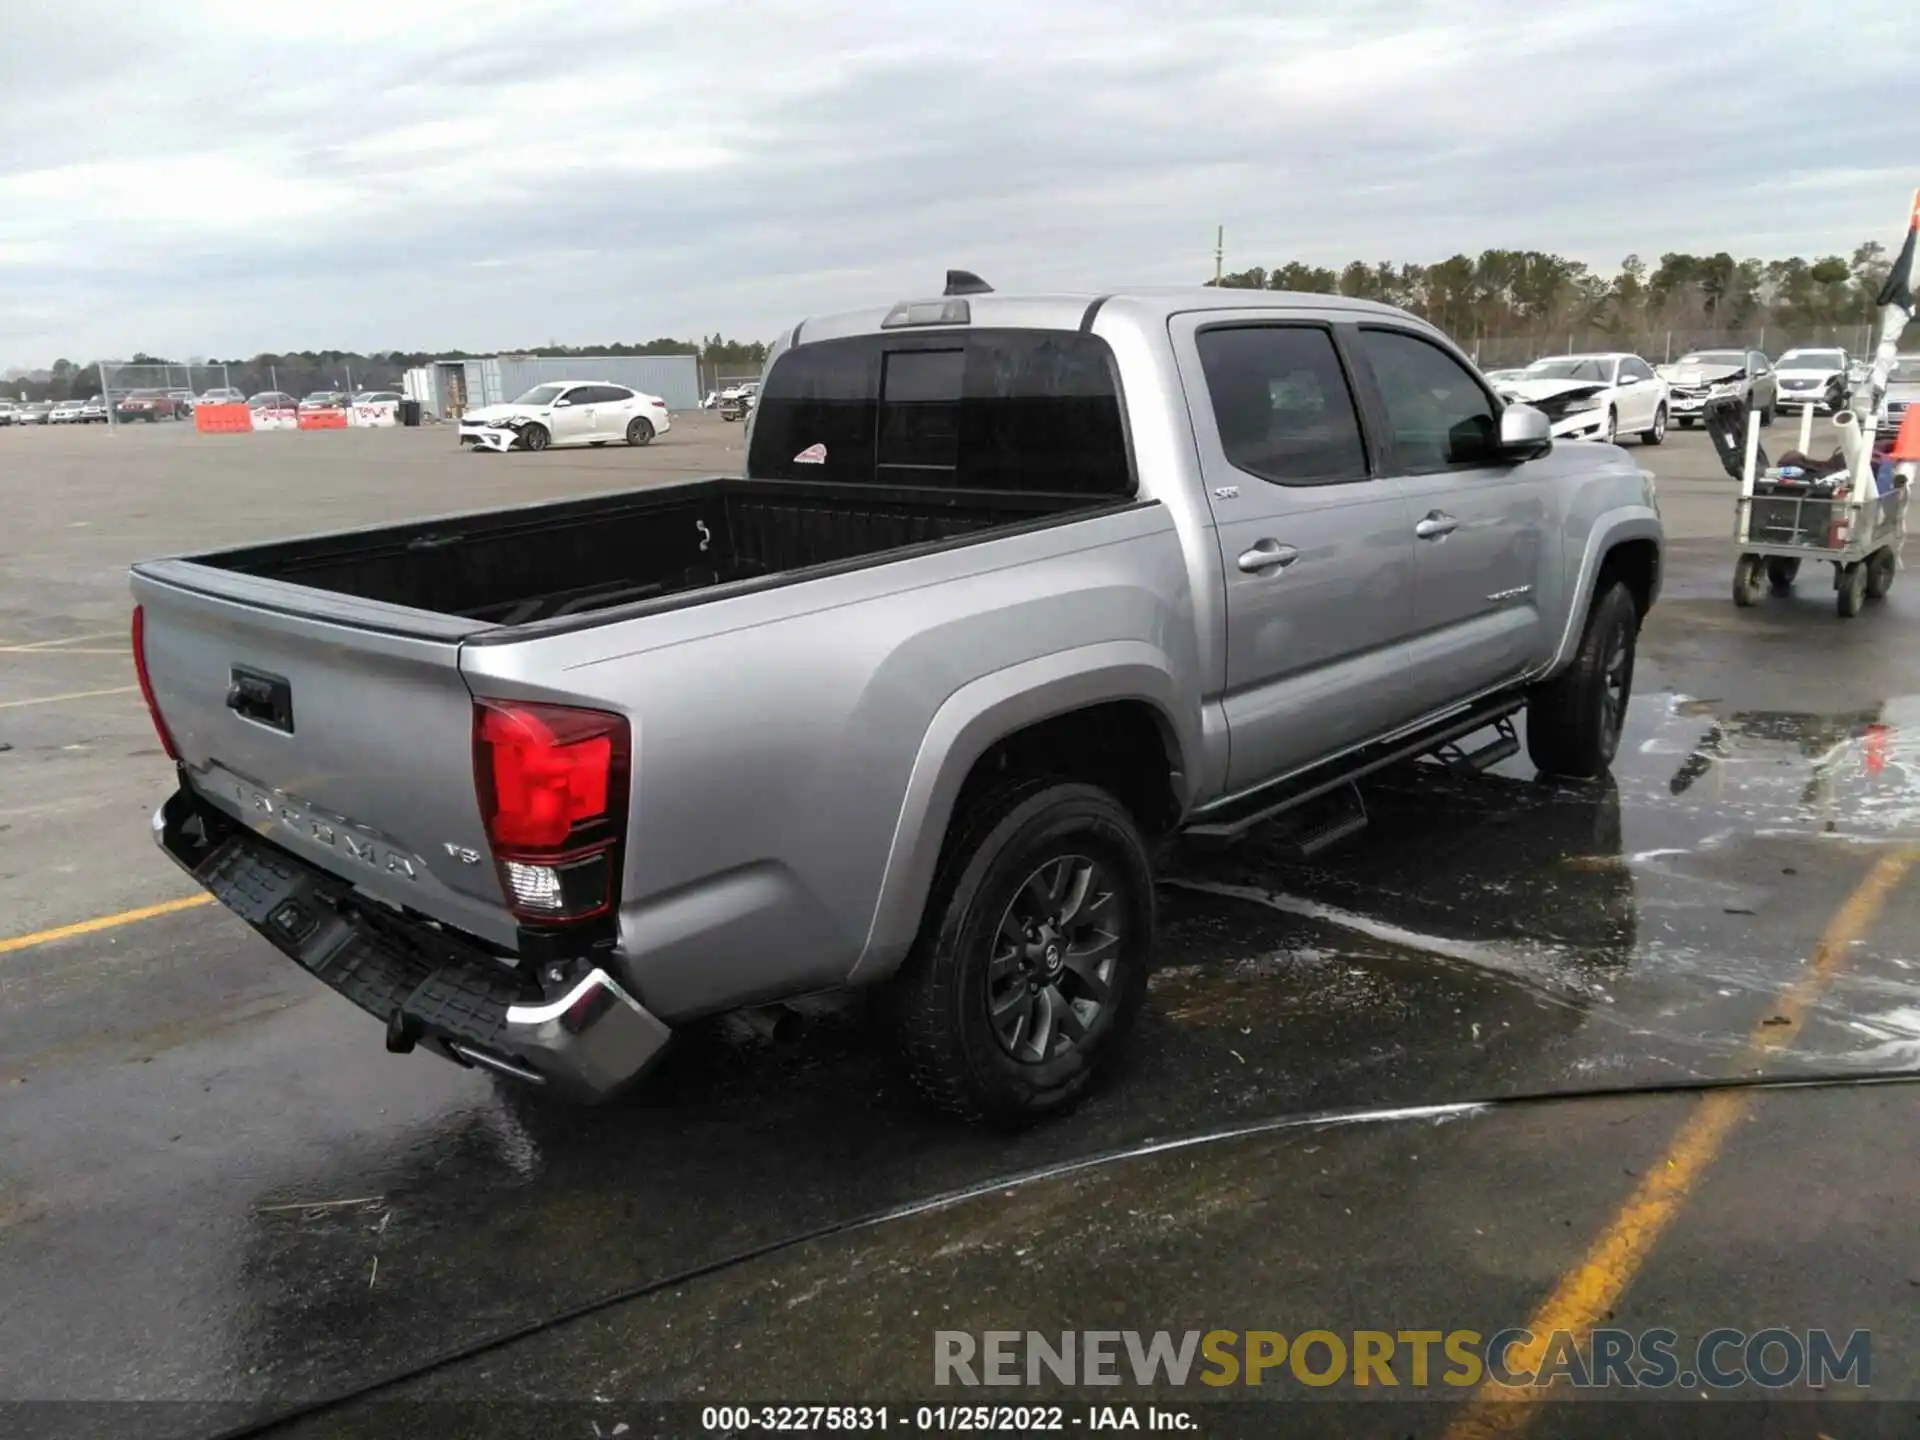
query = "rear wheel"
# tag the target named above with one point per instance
(1659, 430)
(535, 437)
(1032, 958)
(1747, 573)
(1850, 589)
(1574, 720)
(1881, 566)
(639, 431)
(1781, 572)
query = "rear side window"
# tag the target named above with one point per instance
(1023, 410)
(1437, 414)
(1282, 403)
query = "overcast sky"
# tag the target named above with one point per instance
(222, 179)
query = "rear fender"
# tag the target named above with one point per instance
(973, 719)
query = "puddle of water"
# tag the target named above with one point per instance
(1852, 773)
(1895, 1037)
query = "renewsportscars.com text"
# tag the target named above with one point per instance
(1721, 1359)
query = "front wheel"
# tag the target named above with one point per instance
(1659, 430)
(1032, 958)
(1612, 432)
(1748, 575)
(535, 437)
(1574, 720)
(1685, 422)
(639, 432)
(1850, 589)
(1766, 416)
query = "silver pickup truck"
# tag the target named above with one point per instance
(1011, 590)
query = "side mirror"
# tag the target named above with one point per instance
(1524, 434)
(561, 403)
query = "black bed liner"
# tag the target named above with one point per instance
(546, 562)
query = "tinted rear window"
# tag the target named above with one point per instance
(1029, 410)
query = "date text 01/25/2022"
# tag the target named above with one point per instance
(941, 1419)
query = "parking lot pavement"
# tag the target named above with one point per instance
(217, 1185)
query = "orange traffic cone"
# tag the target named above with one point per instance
(1906, 444)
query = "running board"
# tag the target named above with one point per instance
(1504, 745)
(1345, 815)
(1240, 813)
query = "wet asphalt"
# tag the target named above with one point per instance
(216, 1187)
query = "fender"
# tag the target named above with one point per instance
(1626, 522)
(966, 725)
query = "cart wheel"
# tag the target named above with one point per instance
(1746, 580)
(1781, 572)
(1850, 589)
(1880, 568)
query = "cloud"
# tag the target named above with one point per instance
(445, 174)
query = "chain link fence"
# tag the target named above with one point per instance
(150, 392)
(1659, 346)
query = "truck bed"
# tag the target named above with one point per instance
(576, 557)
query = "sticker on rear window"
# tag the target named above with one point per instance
(812, 455)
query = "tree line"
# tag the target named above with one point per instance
(1542, 298)
(303, 371)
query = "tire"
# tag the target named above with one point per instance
(535, 437)
(1685, 422)
(1659, 430)
(1766, 416)
(1782, 571)
(1004, 861)
(1850, 589)
(639, 431)
(1747, 573)
(1881, 567)
(1574, 720)
(1611, 435)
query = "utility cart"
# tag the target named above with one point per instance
(1848, 512)
(1849, 509)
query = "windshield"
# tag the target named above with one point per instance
(1570, 367)
(1906, 369)
(1813, 360)
(1714, 357)
(541, 395)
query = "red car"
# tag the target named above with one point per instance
(148, 405)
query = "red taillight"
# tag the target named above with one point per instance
(146, 682)
(552, 781)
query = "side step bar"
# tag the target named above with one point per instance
(1503, 746)
(1328, 821)
(1239, 813)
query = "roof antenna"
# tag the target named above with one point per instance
(965, 282)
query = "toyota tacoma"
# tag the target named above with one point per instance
(1009, 591)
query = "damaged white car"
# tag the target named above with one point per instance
(1594, 397)
(567, 412)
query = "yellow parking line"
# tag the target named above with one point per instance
(104, 922)
(1589, 1292)
(70, 695)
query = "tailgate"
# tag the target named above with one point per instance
(347, 741)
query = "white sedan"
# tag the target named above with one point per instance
(1594, 397)
(567, 412)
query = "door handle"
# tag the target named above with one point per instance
(1267, 555)
(1436, 525)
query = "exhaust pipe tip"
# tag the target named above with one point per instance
(777, 1024)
